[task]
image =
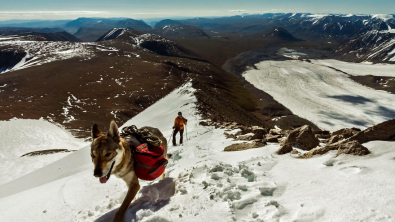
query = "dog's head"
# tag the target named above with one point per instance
(106, 151)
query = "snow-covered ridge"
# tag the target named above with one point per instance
(41, 52)
(211, 185)
(384, 17)
(372, 46)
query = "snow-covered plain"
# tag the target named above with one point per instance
(211, 185)
(325, 96)
(359, 69)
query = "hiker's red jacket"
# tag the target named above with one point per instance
(179, 123)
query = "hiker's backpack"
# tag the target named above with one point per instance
(147, 151)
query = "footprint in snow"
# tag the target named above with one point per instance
(309, 214)
(353, 169)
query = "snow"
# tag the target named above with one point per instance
(211, 185)
(18, 137)
(41, 52)
(384, 17)
(359, 69)
(327, 97)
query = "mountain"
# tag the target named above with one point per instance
(318, 25)
(90, 34)
(115, 78)
(139, 25)
(372, 46)
(280, 33)
(236, 185)
(152, 42)
(167, 22)
(58, 36)
(177, 31)
(106, 23)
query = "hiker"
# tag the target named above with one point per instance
(179, 126)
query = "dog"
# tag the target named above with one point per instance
(111, 155)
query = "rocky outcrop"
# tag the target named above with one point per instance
(382, 131)
(302, 137)
(322, 134)
(245, 146)
(354, 148)
(346, 133)
(333, 139)
(286, 148)
(272, 138)
(350, 147)
(259, 132)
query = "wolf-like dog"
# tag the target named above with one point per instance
(111, 154)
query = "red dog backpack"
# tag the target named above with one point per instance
(149, 161)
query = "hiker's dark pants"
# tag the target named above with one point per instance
(174, 136)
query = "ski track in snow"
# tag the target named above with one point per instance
(206, 184)
(323, 95)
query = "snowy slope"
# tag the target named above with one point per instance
(41, 52)
(323, 95)
(211, 185)
(18, 137)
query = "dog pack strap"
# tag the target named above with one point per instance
(141, 147)
(143, 165)
(162, 165)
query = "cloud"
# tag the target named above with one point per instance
(5, 15)
(238, 11)
(52, 12)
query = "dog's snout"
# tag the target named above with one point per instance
(97, 173)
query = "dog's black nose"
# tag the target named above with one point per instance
(97, 173)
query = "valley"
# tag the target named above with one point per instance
(290, 116)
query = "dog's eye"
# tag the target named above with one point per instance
(93, 156)
(108, 154)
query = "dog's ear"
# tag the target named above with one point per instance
(95, 131)
(113, 131)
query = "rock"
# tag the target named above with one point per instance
(353, 145)
(286, 148)
(354, 148)
(382, 131)
(259, 143)
(230, 136)
(346, 133)
(203, 123)
(245, 146)
(245, 129)
(259, 132)
(272, 138)
(302, 137)
(322, 134)
(275, 132)
(342, 147)
(333, 139)
(317, 151)
(294, 151)
(244, 137)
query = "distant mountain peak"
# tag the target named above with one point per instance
(166, 22)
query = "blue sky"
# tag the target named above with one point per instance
(71, 9)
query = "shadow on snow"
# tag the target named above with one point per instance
(153, 198)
